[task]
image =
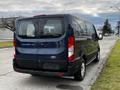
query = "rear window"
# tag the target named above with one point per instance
(40, 28)
(26, 29)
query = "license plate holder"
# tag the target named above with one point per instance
(50, 66)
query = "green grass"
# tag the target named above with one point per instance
(109, 78)
(6, 44)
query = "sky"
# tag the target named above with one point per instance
(94, 10)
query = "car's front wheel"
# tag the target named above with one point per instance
(80, 74)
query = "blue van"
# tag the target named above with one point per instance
(57, 45)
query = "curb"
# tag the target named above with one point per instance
(100, 67)
(6, 47)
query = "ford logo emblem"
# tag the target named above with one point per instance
(53, 57)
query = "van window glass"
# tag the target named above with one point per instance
(40, 28)
(76, 28)
(26, 29)
(90, 29)
(50, 27)
(83, 31)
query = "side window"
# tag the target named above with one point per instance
(90, 29)
(76, 28)
(83, 31)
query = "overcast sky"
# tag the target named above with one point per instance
(94, 8)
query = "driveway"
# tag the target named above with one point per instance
(10, 80)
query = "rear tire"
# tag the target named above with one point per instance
(97, 59)
(80, 74)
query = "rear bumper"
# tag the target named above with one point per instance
(43, 73)
(71, 69)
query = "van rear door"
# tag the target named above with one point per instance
(42, 44)
(26, 44)
(52, 51)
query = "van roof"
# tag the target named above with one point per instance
(53, 15)
(47, 16)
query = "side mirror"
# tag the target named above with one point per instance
(100, 36)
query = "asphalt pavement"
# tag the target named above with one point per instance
(11, 80)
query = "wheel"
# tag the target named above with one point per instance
(97, 59)
(80, 74)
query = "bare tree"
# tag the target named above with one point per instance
(8, 23)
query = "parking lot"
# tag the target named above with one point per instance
(10, 80)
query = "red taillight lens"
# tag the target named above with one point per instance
(14, 45)
(71, 48)
(14, 42)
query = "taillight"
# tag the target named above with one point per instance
(71, 48)
(14, 42)
(14, 46)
